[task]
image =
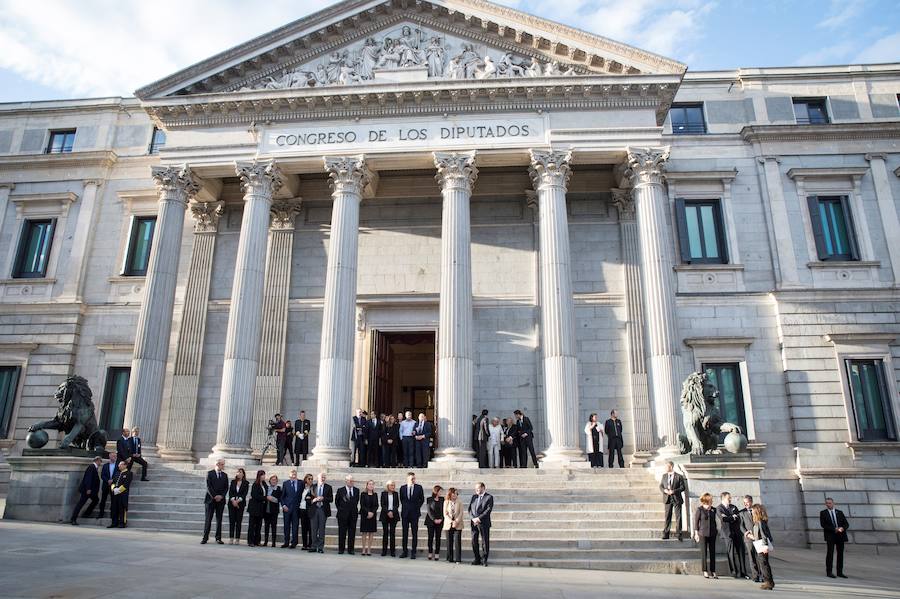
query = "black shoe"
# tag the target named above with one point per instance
(146, 480)
(830, 575)
(219, 541)
(476, 563)
(311, 550)
(412, 556)
(293, 545)
(203, 542)
(393, 554)
(404, 555)
(383, 553)
(350, 553)
(665, 537)
(340, 553)
(484, 563)
(286, 545)
(841, 575)
(320, 551)
(73, 522)
(757, 579)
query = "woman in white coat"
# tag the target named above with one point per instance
(593, 432)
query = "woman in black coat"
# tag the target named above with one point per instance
(390, 515)
(368, 516)
(705, 531)
(273, 508)
(256, 507)
(237, 501)
(434, 522)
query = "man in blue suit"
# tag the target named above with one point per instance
(136, 457)
(290, 507)
(89, 488)
(412, 496)
(424, 431)
(107, 475)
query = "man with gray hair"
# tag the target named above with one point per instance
(319, 509)
(216, 490)
(347, 503)
(672, 487)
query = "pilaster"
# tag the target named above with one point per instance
(887, 209)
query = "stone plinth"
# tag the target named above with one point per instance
(44, 487)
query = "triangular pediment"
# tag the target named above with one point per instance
(358, 43)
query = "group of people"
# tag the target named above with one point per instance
(594, 440)
(111, 481)
(306, 504)
(503, 443)
(291, 438)
(386, 441)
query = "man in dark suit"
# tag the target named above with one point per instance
(747, 534)
(216, 491)
(301, 437)
(136, 457)
(834, 525)
(319, 510)
(347, 503)
(613, 431)
(373, 441)
(412, 497)
(88, 489)
(525, 430)
(672, 487)
(480, 507)
(360, 436)
(423, 433)
(730, 532)
(123, 447)
(120, 488)
(484, 434)
(107, 476)
(290, 508)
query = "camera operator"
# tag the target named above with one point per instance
(276, 425)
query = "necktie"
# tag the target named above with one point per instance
(320, 491)
(671, 478)
(478, 504)
(834, 518)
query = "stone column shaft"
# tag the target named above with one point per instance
(182, 411)
(456, 174)
(151, 345)
(550, 173)
(260, 180)
(646, 167)
(349, 176)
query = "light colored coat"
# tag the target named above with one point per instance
(453, 518)
(589, 439)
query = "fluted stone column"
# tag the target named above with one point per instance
(645, 168)
(456, 173)
(550, 173)
(270, 381)
(177, 185)
(260, 180)
(641, 415)
(182, 411)
(349, 176)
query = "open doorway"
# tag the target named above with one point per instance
(403, 373)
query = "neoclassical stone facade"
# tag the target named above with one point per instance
(489, 211)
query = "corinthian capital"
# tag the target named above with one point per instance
(283, 214)
(348, 173)
(646, 165)
(550, 168)
(456, 169)
(206, 215)
(177, 182)
(259, 177)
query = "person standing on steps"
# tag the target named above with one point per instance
(761, 537)
(480, 507)
(301, 438)
(434, 522)
(123, 448)
(305, 532)
(453, 525)
(613, 430)
(319, 510)
(593, 439)
(347, 503)
(412, 497)
(672, 487)
(423, 432)
(525, 430)
(88, 489)
(237, 501)
(390, 440)
(495, 442)
(136, 457)
(407, 440)
(390, 515)
(705, 535)
(288, 443)
(256, 508)
(107, 474)
(291, 491)
(730, 533)
(280, 439)
(746, 515)
(834, 526)
(484, 436)
(368, 516)
(216, 491)
(120, 488)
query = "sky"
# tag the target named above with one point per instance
(53, 49)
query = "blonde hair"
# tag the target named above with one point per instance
(706, 499)
(759, 513)
(390, 483)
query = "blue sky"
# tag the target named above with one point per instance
(53, 49)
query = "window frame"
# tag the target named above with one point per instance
(154, 146)
(108, 387)
(63, 149)
(703, 128)
(681, 205)
(9, 413)
(24, 235)
(814, 205)
(739, 389)
(887, 411)
(806, 102)
(128, 269)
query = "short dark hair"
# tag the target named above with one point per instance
(408, 474)
(613, 411)
(748, 498)
(481, 485)
(517, 412)
(723, 494)
(484, 412)
(829, 499)
(436, 489)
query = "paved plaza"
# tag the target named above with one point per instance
(47, 560)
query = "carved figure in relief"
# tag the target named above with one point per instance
(507, 67)
(368, 58)
(390, 57)
(489, 71)
(468, 61)
(409, 47)
(434, 55)
(534, 69)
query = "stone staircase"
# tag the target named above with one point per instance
(579, 518)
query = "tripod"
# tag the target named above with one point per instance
(270, 442)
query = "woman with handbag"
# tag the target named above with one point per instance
(705, 531)
(762, 543)
(453, 525)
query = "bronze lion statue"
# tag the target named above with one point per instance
(75, 416)
(702, 421)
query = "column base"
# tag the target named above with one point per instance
(332, 456)
(176, 455)
(230, 453)
(564, 457)
(454, 455)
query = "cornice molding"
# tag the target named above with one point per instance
(719, 341)
(829, 132)
(860, 338)
(98, 159)
(819, 173)
(728, 175)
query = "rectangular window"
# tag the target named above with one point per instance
(727, 379)
(810, 111)
(9, 382)
(112, 414)
(701, 233)
(142, 228)
(687, 119)
(832, 225)
(869, 397)
(34, 249)
(157, 140)
(61, 142)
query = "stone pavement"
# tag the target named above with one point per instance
(56, 560)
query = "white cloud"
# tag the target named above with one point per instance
(885, 49)
(841, 12)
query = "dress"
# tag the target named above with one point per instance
(368, 503)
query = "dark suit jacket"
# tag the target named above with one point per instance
(374, 431)
(123, 479)
(613, 431)
(291, 490)
(123, 449)
(135, 445)
(236, 491)
(384, 507)
(347, 505)
(301, 426)
(105, 475)
(424, 428)
(524, 426)
(390, 433)
(215, 485)
(830, 531)
(677, 486)
(746, 518)
(705, 521)
(273, 508)
(90, 481)
(360, 429)
(729, 521)
(327, 493)
(256, 507)
(484, 511)
(411, 501)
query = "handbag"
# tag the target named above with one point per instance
(761, 546)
